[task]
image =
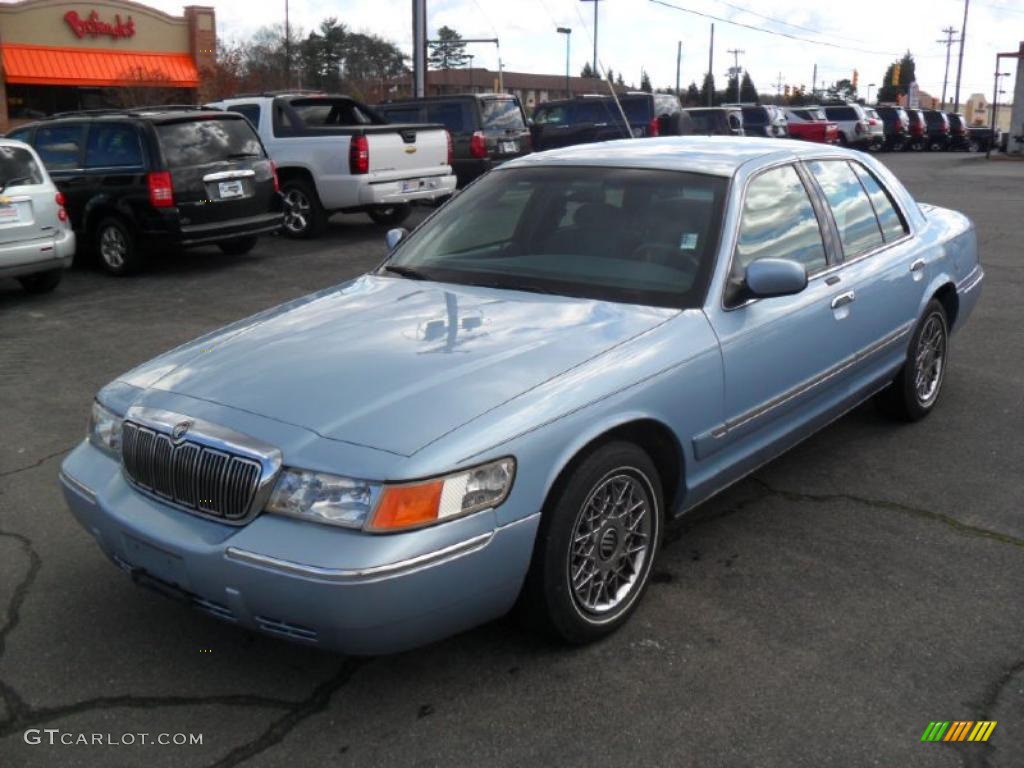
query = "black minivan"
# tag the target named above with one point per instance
(486, 128)
(141, 179)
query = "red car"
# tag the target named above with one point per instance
(810, 124)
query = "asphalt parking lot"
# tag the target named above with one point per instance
(820, 613)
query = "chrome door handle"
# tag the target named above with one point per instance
(843, 299)
(917, 266)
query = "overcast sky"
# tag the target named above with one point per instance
(635, 34)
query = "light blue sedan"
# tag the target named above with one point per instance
(583, 345)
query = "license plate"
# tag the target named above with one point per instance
(411, 185)
(508, 147)
(9, 214)
(231, 189)
(156, 562)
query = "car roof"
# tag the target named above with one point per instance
(153, 114)
(450, 97)
(715, 155)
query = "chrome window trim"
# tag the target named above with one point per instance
(219, 438)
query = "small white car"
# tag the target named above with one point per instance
(36, 240)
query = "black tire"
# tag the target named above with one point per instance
(974, 146)
(41, 282)
(842, 140)
(304, 216)
(917, 145)
(115, 246)
(904, 399)
(238, 246)
(549, 596)
(390, 215)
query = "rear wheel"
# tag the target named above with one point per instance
(116, 247)
(238, 246)
(974, 146)
(842, 140)
(42, 282)
(304, 216)
(915, 390)
(596, 545)
(390, 215)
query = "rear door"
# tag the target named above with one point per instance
(115, 168)
(22, 181)
(504, 127)
(218, 168)
(551, 127)
(62, 149)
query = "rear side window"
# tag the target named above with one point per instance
(502, 115)
(755, 115)
(451, 114)
(597, 111)
(112, 144)
(20, 135)
(853, 213)
(250, 112)
(18, 168)
(60, 146)
(889, 219)
(778, 221)
(637, 110)
(410, 114)
(841, 113)
(199, 142)
(322, 112)
(554, 115)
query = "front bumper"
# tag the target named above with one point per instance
(336, 588)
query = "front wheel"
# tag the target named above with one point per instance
(390, 215)
(598, 538)
(915, 390)
(238, 246)
(42, 282)
(974, 146)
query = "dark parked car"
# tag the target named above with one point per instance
(135, 180)
(937, 134)
(896, 125)
(486, 129)
(768, 121)
(958, 138)
(918, 130)
(716, 121)
(982, 139)
(597, 118)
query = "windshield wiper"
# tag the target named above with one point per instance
(16, 180)
(409, 272)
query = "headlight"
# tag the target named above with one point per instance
(105, 430)
(323, 498)
(431, 501)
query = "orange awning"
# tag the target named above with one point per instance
(46, 65)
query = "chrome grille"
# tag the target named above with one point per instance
(195, 476)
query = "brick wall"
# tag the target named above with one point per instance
(202, 39)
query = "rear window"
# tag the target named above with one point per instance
(704, 121)
(18, 168)
(755, 115)
(405, 114)
(934, 118)
(199, 142)
(451, 114)
(323, 112)
(841, 113)
(637, 110)
(502, 114)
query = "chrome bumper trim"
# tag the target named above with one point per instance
(78, 487)
(970, 282)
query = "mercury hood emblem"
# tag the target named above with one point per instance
(179, 431)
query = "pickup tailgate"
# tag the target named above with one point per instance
(406, 151)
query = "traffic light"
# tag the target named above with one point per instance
(855, 78)
(896, 74)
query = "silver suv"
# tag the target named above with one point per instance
(855, 128)
(36, 241)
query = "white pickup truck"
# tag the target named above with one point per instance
(334, 154)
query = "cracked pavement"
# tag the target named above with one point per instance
(820, 613)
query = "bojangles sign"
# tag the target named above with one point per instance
(94, 27)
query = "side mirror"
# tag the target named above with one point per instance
(775, 277)
(394, 237)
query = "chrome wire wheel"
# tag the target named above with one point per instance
(930, 359)
(611, 543)
(113, 247)
(297, 211)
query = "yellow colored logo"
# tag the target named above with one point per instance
(410, 150)
(5, 200)
(958, 730)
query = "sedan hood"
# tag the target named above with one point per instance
(394, 364)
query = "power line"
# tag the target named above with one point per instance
(788, 23)
(770, 31)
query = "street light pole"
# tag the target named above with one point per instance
(736, 69)
(567, 31)
(597, 71)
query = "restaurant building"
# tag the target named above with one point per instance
(59, 56)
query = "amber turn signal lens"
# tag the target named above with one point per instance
(407, 506)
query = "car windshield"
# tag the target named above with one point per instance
(200, 142)
(704, 120)
(502, 115)
(615, 234)
(18, 168)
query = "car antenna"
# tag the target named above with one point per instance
(615, 96)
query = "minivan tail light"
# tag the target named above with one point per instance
(653, 128)
(359, 156)
(478, 145)
(161, 189)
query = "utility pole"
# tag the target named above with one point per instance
(960, 60)
(679, 61)
(419, 48)
(778, 85)
(736, 69)
(287, 49)
(711, 64)
(597, 71)
(814, 82)
(949, 44)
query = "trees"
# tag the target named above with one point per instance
(587, 71)
(908, 74)
(645, 82)
(748, 92)
(708, 97)
(692, 96)
(843, 90)
(448, 51)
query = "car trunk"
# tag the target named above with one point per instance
(20, 180)
(218, 168)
